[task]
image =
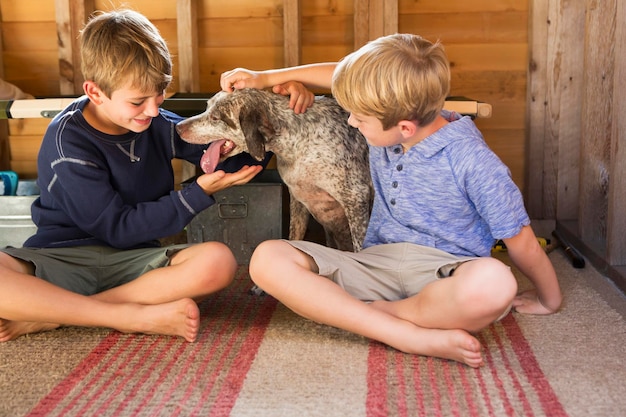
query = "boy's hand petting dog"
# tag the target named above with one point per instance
(300, 98)
(220, 180)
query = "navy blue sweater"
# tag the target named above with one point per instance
(114, 190)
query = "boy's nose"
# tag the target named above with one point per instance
(151, 109)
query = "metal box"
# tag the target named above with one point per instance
(244, 216)
(15, 221)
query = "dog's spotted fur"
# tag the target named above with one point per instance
(322, 160)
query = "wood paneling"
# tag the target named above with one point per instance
(485, 41)
(576, 139)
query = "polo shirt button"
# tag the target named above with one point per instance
(393, 201)
(394, 184)
(399, 167)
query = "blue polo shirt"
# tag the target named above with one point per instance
(450, 192)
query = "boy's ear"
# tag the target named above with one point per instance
(407, 127)
(93, 92)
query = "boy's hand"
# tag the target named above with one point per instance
(241, 78)
(220, 180)
(528, 302)
(300, 98)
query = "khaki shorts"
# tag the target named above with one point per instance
(90, 270)
(384, 272)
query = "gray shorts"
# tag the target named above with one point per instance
(384, 272)
(89, 270)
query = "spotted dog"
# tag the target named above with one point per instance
(322, 160)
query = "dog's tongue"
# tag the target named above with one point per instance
(211, 156)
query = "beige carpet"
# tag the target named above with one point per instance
(256, 358)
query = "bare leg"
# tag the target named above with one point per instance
(471, 299)
(287, 274)
(194, 272)
(29, 304)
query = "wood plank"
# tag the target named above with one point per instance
(597, 101)
(27, 10)
(326, 8)
(153, 10)
(30, 36)
(238, 32)
(189, 66)
(390, 17)
(187, 30)
(539, 182)
(616, 221)
(25, 169)
(565, 53)
(240, 9)
(28, 127)
(292, 33)
(71, 16)
(361, 23)
(438, 6)
(468, 27)
(493, 57)
(25, 148)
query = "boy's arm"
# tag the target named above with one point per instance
(312, 75)
(290, 82)
(531, 259)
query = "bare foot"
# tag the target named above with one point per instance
(456, 344)
(10, 330)
(176, 318)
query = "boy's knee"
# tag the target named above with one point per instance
(492, 281)
(219, 263)
(263, 254)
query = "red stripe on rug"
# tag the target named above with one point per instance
(80, 372)
(497, 379)
(166, 371)
(511, 382)
(376, 402)
(454, 403)
(435, 408)
(513, 377)
(419, 389)
(124, 373)
(401, 398)
(239, 369)
(551, 404)
(214, 346)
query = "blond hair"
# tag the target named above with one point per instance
(121, 48)
(393, 78)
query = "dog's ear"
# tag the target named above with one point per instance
(256, 128)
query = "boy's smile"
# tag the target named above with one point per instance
(128, 109)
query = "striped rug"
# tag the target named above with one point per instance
(252, 358)
(511, 384)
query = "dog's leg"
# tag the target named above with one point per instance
(299, 219)
(358, 214)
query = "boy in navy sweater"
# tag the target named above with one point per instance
(107, 196)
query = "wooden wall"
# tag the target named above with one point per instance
(576, 141)
(486, 41)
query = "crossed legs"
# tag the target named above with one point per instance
(436, 322)
(159, 302)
